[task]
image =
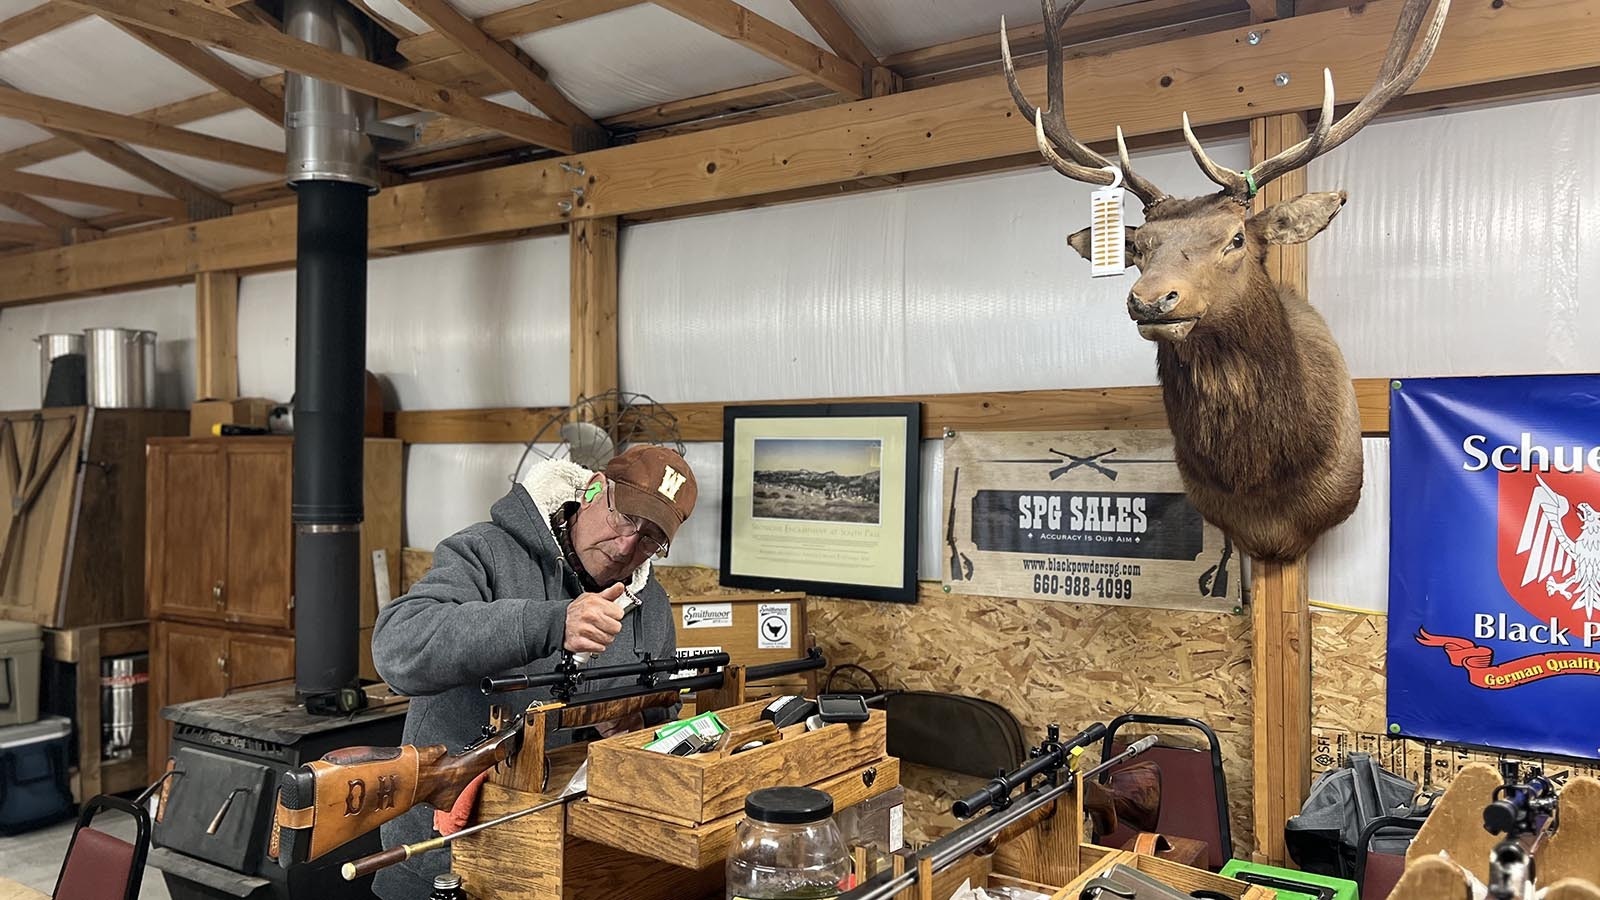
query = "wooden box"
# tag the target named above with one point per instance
(708, 844)
(694, 790)
(72, 552)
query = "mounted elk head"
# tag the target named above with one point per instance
(1264, 417)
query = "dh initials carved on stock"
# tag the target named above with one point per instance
(356, 797)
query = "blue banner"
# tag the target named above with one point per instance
(1494, 562)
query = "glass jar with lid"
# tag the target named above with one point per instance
(787, 847)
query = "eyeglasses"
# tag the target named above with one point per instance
(627, 526)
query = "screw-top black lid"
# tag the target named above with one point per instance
(788, 805)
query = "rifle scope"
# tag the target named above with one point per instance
(1048, 758)
(1517, 806)
(497, 684)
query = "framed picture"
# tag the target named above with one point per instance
(822, 498)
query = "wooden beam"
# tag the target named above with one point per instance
(210, 68)
(1281, 616)
(29, 234)
(1264, 10)
(201, 202)
(966, 123)
(594, 307)
(79, 192)
(825, 18)
(59, 114)
(503, 62)
(515, 22)
(26, 26)
(40, 212)
(192, 23)
(216, 350)
(1066, 410)
(771, 40)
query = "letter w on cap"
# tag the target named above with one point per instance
(671, 480)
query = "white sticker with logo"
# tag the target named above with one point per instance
(708, 615)
(691, 651)
(897, 829)
(773, 631)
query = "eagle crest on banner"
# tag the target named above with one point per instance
(1569, 567)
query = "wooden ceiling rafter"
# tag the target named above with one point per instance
(506, 62)
(530, 18)
(200, 25)
(25, 26)
(47, 112)
(211, 69)
(152, 205)
(201, 202)
(768, 38)
(42, 213)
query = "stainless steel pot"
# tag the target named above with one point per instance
(121, 367)
(52, 346)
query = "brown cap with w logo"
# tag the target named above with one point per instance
(653, 483)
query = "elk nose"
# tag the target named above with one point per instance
(1144, 309)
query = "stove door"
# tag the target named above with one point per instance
(220, 809)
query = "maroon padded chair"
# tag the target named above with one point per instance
(1194, 791)
(1378, 873)
(101, 866)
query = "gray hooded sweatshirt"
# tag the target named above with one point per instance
(494, 603)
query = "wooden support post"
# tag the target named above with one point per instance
(594, 306)
(216, 328)
(1281, 629)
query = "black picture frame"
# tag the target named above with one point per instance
(736, 484)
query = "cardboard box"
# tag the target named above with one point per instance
(250, 411)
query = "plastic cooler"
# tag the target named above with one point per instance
(1291, 884)
(34, 791)
(21, 644)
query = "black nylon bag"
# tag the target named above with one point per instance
(954, 732)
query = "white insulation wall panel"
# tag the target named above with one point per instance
(1470, 244)
(467, 327)
(958, 286)
(451, 486)
(1349, 566)
(168, 311)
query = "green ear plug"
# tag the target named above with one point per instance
(593, 492)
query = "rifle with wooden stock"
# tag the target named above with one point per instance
(329, 802)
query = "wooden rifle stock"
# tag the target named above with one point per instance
(334, 800)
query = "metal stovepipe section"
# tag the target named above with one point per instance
(333, 168)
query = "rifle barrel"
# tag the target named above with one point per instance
(979, 832)
(812, 660)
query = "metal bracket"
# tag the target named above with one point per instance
(386, 131)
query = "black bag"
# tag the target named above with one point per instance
(962, 734)
(1325, 837)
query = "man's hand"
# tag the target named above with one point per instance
(594, 621)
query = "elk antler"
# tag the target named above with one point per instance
(1391, 83)
(1050, 125)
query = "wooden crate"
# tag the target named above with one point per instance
(695, 790)
(79, 553)
(733, 623)
(699, 846)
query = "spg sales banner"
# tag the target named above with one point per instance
(1087, 516)
(1494, 566)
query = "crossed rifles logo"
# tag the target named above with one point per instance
(1090, 461)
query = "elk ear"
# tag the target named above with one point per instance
(1080, 242)
(1299, 220)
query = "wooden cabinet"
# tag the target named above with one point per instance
(220, 565)
(221, 543)
(195, 662)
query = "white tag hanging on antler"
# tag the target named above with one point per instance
(1106, 241)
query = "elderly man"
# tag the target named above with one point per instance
(507, 596)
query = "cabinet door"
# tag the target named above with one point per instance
(260, 536)
(187, 662)
(187, 537)
(258, 659)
